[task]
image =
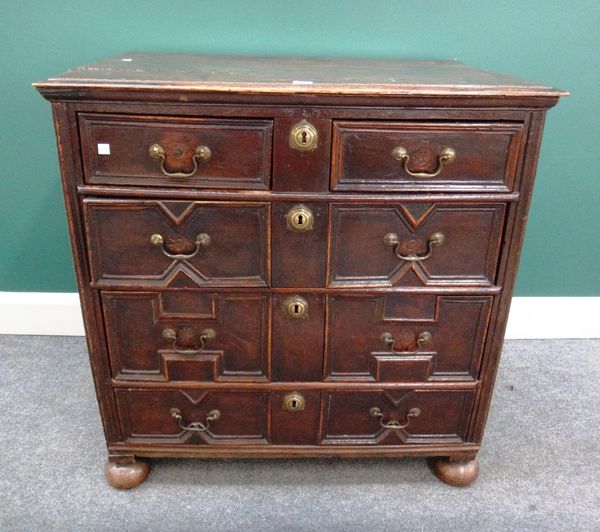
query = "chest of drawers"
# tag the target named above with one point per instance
(284, 257)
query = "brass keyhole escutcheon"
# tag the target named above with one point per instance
(296, 307)
(300, 218)
(304, 136)
(293, 402)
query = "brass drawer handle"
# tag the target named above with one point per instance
(202, 241)
(423, 338)
(157, 152)
(391, 240)
(445, 157)
(205, 336)
(195, 426)
(394, 425)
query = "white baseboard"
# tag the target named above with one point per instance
(59, 314)
(56, 314)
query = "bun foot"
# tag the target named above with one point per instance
(126, 475)
(458, 474)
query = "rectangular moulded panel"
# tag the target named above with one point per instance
(185, 335)
(415, 244)
(177, 244)
(400, 338)
(427, 417)
(298, 341)
(147, 416)
(299, 257)
(486, 156)
(116, 151)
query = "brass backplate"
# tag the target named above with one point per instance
(300, 218)
(304, 136)
(296, 307)
(293, 402)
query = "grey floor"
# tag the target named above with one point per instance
(540, 463)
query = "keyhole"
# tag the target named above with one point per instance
(296, 309)
(300, 219)
(293, 402)
(304, 139)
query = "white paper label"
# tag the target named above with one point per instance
(103, 148)
(302, 82)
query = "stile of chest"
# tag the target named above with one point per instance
(288, 257)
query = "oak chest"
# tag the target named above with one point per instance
(283, 257)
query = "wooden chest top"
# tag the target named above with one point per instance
(294, 75)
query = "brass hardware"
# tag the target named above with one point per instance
(391, 240)
(394, 425)
(205, 336)
(423, 338)
(296, 307)
(195, 426)
(300, 218)
(202, 241)
(293, 402)
(157, 152)
(445, 157)
(304, 136)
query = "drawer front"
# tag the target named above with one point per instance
(415, 244)
(148, 416)
(405, 156)
(406, 338)
(177, 244)
(395, 417)
(181, 335)
(233, 153)
(297, 339)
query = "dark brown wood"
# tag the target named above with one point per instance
(457, 326)
(115, 150)
(237, 254)
(297, 170)
(468, 256)
(487, 156)
(136, 322)
(146, 416)
(301, 257)
(294, 75)
(298, 343)
(148, 302)
(443, 417)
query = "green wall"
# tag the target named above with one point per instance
(548, 41)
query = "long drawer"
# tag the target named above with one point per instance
(241, 417)
(234, 336)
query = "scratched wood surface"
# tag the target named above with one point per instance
(294, 75)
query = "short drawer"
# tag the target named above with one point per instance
(176, 152)
(415, 244)
(193, 417)
(421, 156)
(179, 244)
(406, 338)
(396, 417)
(184, 335)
